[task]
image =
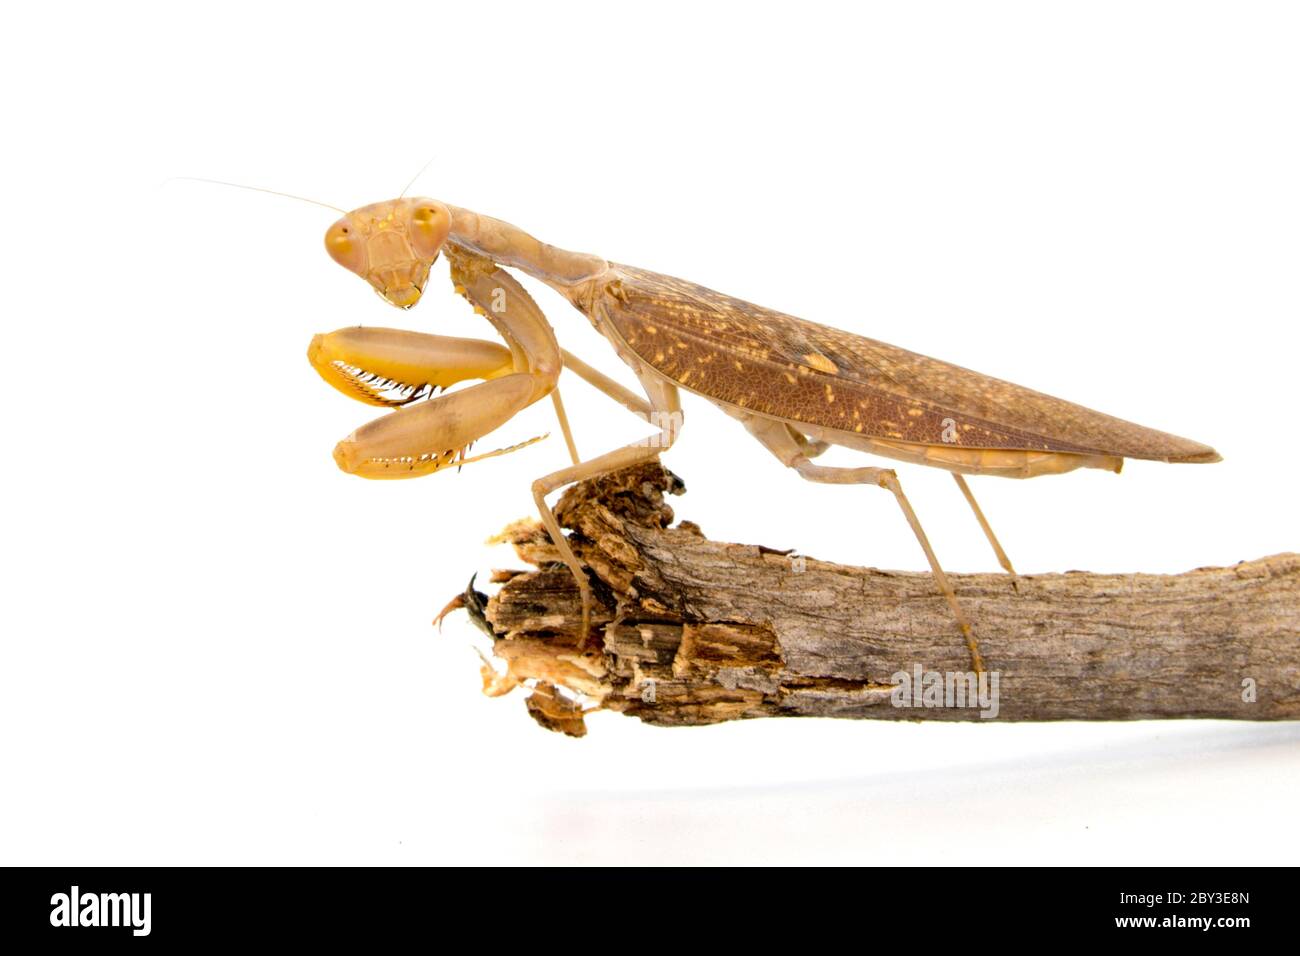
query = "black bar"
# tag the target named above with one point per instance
(945, 904)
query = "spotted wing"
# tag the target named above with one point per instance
(779, 365)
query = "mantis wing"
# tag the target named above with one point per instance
(785, 367)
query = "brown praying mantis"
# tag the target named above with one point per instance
(796, 386)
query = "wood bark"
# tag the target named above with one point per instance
(690, 631)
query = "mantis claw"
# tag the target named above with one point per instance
(402, 370)
(431, 435)
(393, 367)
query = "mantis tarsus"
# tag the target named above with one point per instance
(798, 387)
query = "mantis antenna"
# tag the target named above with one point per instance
(417, 176)
(258, 189)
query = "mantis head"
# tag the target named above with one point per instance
(391, 245)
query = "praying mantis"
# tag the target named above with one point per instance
(796, 386)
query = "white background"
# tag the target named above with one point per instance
(217, 647)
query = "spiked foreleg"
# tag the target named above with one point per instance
(393, 367)
(428, 436)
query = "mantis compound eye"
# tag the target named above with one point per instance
(344, 247)
(430, 223)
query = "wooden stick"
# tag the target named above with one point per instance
(697, 631)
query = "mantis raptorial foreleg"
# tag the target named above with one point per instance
(782, 442)
(393, 367)
(498, 296)
(390, 367)
(428, 436)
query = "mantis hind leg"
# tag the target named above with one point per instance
(779, 439)
(988, 529)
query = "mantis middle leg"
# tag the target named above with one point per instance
(665, 412)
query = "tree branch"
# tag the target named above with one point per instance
(691, 631)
